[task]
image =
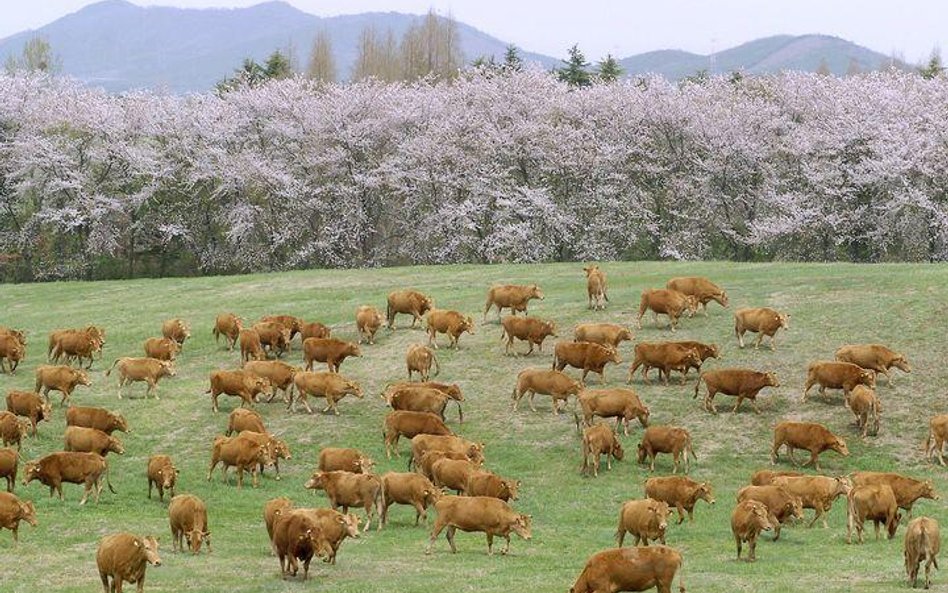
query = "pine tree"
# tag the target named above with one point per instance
(574, 72)
(322, 65)
(934, 66)
(609, 69)
(512, 60)
(278, 66)
(37, 56)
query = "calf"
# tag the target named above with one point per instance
(187, 515)
(274, 336)
(810, 436)
(241, 452)
(13, 510)
(423, 399)
(237, 383)
(666, 439)
(837, 375)
(483, 483)
(622, 404)
(242, 419)
(88, 440)
(30, 405)
(278, 373)
(586, 356)
(331, 386)
(556, 384)
(701, 288)
(410, 302)
(599, 440)
(161, 348)
(666, 357)
(866, 407)
(874, 357)
(873, 502)
(937, 435)
(596, 288)
(418, 359)
(9, 459)
(98, 418)
(478, 513)
(743, 383)
(297, 536)
(510, 296)
(782, 506)
(630, 569)
(604, 334)
(229, 326)
(329, 350)
(680, 492)
(73, 468)
(63, 379)
(344, 459)
(405, 423)
(645, 519)
(666, 302)
(452, 474)
(409, 489)
(747, 521)
(348, 489)
(13, 429)
(162, 474)
(251, 347)
(149, 370)
(12, 351)
(815, 492)
(531, 330)
(452, 323)
(368, 321)
(907, 490)
(315, 329)
(922, 544)
(123, 557)
(763, 321)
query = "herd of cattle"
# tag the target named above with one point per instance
(444, 461)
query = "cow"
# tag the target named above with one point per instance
(9, 460)
(630, 569)
(748, 520)
(329, 350)
(85, 440)
(335, 528)
(251, 348)
(451, 389)
(556, 384)
(63, 379)
(922, 544)
(407, 423)
(478, 513)
(148, 370)
(937, 435)
(666, 439)
(273, 510)
(344, 459)
(595, 288)
(809, 436)
(241, 419)
(907, 490)
(30, 405)
(244, 453)
(781, 504)
(123, 557)
(13, 510)
(423, 399)
(277, 447)
(348, 489)
(622, 404)
(419, 358)
(177, 330)
(511, 296)
(229, 326)
(424, 443)
(599, 440)
(815, 492)
(368, 321)
(452, 474)
(705, 351)
(290, 322)
(161, 349)
(743, 383)
(484, 483)
(666, 357)
(837, 375)
(680, 492)
(766, 477)
(762, 320)
(237, 383)
(278, 373)
(531, 330)
(874, 357)
(429, 458)
(604, 334)
(331, 386)
(666, 302)
(585, 356)
(78, 345)
(866, 407)
(73, 468)
(701, 288)
(296, 536)
(410, 302)
(18, 334)
(13, 429)
(314, 329)
(162, 474)
(452, 323)
(104, 420)
(645, 519)
(187, 515)
(274, 336)
(93, 333)
(409, 489)
(12, 351)
(875, 503)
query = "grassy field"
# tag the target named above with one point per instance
(901, 305)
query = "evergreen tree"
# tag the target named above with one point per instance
(575, 72)
(278, 66)
(37, 56)
(934, 66)
(609, 69)
(512, 60)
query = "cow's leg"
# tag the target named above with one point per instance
(752, 549)
(754, 403)
(790, 450)
(737, 540)
(760, 337)
(507, 545)
(435, 531)
(105, 582)
(709, 402)
(532, 407)
(740, 399)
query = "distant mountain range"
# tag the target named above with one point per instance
(122, 46)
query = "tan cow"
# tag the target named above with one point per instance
(333, 459)
(161, 474)
(701, 288)
(922, 544)
(424, 443)
(484, 483)
(429, 458)
(815, 492)
(77, 345)
(19, 334)
(511, 296)
(666, 439)
(762, 320)
(408, 489)
(907, 490)
(331, 386)
(347, 489)
(229, 326)
(680, 492)
(251, 348)
(187, 515)
(742, 383)
(244, 453)
(809, 436)
(874, 503)
(368, 321)
(585, 356)
(277, 448)
(595, 288)
(419, 358)
(335, 527)
(937, 435)
(666, 357)
(123, 557)
(748, 520)
(290, 322)
(491, 516)
(329, 350)
(13, 429)
(278, 373)
(531, 330)
(410, 302)
(406, 423)
(666, 302)
(274, 336)
(630, 569)
(9, 460)
(13, 510)
(273, 510)
(161, 348)
(452, 323)
(874, 357)
(92, 332)
(104, 420)
(12, 351)
(86, 440)
(599, 440)
(177, 330)
(148, 370)
(645, 519)
(73, 468)
(451, 389)
(296, 536)
(556, 384)
(452, 474)
(241, 419)
(766, 477)
(622, 404)
(237, 383)
(781, 504)
(29, 404)
(315, 329)
(866, 407)
(63, 379)
(837, 375)
(424, 399)
(604, 334)
(705, 351)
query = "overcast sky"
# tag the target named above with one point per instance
(621, 27)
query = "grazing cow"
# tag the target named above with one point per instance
(599, 440)
(452, 474)
(86, 440)
(645, 519)
(177, 330)
(244, 453)
(586, 356)
(9, 460)
(314, 329)
(837, 375)
(875, 503)
(419, 358)
(273, 510)
(149, 370)
(622, 404)
(766, 477)
(630, 569)
(595, 288)
(666, 439)
(781, 504)
(296, 536)
(484, 483)
(187, 515)
(556, 384)
(277, 447)
(604, 334)
(290, 322)
(907, 490)
(335, 528)
(815, 492)
(762, 320)
(241, 419)
(73, 468)
(13, 429)
(531, 330)
(937, 435)
(511, 296)
(251, 348)
(12, 351)
(368, 321)
(104, 420)
(452, 323)
(478, 513)
(406, 423)
(329, 350)
(229, 326)
(424, 443)
(274, 336)
(348, 489)
(409, 489)
(63, 379)
(13, 510)
(666, 357)
(747, 521)
(423, 399)
(278, 373)
(237, 383)
(77, 345)
(30, 405)
(344, 459)
(705, 351)
(161, 349)
(809, 436)
(743, 383)
(922, 544)
(666, 302)
(331, 386)
(123, 557)
(410, 302)
(874, 357)
(701, 288)
(866, 407)
(680, 492)
(162, 474)
(450, 389)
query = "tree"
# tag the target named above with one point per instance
(574, 71)
(512, 60)
(853, 69)
(37, 56)
(322, 64)
(934, 67)
(377, 56)
(278, 66)
(609, 69)
(824, 69)
(431, 48)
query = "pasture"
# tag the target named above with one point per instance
(904, 306)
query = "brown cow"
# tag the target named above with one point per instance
(273, 510)
(335, 528)
(329, 350)
(290, 322)
(296, 536)
(531, 330)
(13, 510)
(73, 468)
(124, 557)
(604, 334)
(701, 288)
(348, 489)
(837, 375)
(278, 373)
(666, 357)
(452, 474)
(30, 405)
(12, 351)
(237, 383)
(595, 288)
(781, 504)
(451, 389)
(251, 348)
(229, 326)
(743, 383)
(368, 321)
(409, 489)
(872, 502)
(666, 439)
(187, 515)
(511, 296)
(622, 404)
(344, 459)
(92, 332)
(87, 440)
(104, 420)
(586, 356)
(410, 302)
(484, 483)
(815, 492)
(874, 357)
(19, 334)
(866, 407)
(177, 330)
(162, 474)
(680, 492)
(77, 345)
(630, 569)
(419, 358)
(599, 440)
(922, 544)
(666, 302)
(161, 348)
(424, 443)
(13, 429)
(149, 370)
(907, 490)
(478, 513)
(452, 323)
(244, 453)
(277, 447)
(63, 379)
(429, 458)
(331, 386)
(766, 477)
(423, 399)
(556, 384)
(274, 336)
(314, 329)
(241, 419)
(645, 519)
(705, 351)
(9, 460)
(409, 424)
(747, 521)
(763, 320)
(809, 436)
(937, 435)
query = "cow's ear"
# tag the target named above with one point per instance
(160, 472)
(138, 544)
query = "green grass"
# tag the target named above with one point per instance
(901, 305)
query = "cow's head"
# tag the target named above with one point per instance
(31, 471)
(510, 489)
(760, 516)
(196, 537)
(691, 304)
(692, 357)
(794, 507)
(641, 454)
(82, 377)
(431, 495)
(45, 411)
(353, 388)
(320, 546)
(28, 512)
(535, 292)
(168, 475)
(893, 525)
(867, 377)
(467, 325)
(280, 449)
(659, 512)
(900, 362)
(642, 414)
(617, 451)
(771, 379)
(350, 523)
(364, 465)
(149, 544)
(167, 369)
(115, 446)
(712, 351)
(843, 485)
(475, 453)
(119, 421)
(704, 492)
(783, 320)
(23, 427)
(624, 334)
(261, 385)
(575, 387)
(839, 445)
(317, 481)
(721, 298)
(238, 322)
(521, 526)
(928, 491)
(426, 304)
(591, 269)
(352, 350)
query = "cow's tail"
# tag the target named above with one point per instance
(604, 295)
(389, 316)
(555, 360)
(107, 480)
(112, 367)
(434, 358)
(460, 412)
(217, 335)
(681, 576)
(576, 418)
(490, 301)
(691, 450)
(380, 501)
(697, 386)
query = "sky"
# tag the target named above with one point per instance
(910, 29)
